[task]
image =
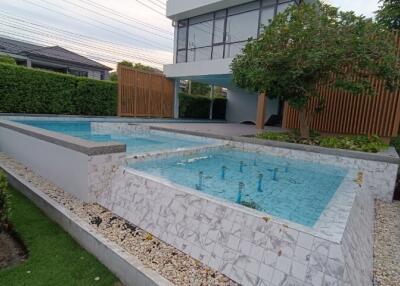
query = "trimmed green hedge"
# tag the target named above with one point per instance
(26, 90)
(7, 60)
(198, 107)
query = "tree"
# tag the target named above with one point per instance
(138, 66)
(314, 44)
(388, 14)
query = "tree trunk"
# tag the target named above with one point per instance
(304, 123)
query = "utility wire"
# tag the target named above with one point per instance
(119, 21)
(112, 45)
(88, 53)
(77, 42)
(93, 25)
(149, 7)
(127, 17)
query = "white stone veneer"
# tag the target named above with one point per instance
(249, 246)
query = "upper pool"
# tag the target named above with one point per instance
(294, 190)
(138, 142)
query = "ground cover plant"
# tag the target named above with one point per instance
(54, 257)
(371, 144)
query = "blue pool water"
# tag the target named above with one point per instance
(135, 143)
(290, 189)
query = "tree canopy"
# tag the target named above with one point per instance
(389, 14)
(314, 44)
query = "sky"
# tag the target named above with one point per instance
(108, 31)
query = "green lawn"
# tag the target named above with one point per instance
(54, 257)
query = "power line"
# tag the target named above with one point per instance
(89, 52)
(149, 7)
(119, 21)
(80, 43)
(91, 24)
(72, 34)
(117, 13)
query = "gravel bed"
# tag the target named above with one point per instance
(387, 244)
(169, 262)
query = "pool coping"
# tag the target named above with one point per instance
(129, 269)
(388, 156)
(82, 146)
(113, 119)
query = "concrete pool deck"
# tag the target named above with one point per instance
(213, 129)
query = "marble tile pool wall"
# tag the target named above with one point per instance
(249, 246)
(246, 245)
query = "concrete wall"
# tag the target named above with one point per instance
(180, 9)
(79, 172)
(201, 68)
(65, 167)
(242, 106)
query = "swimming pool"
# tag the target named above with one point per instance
(294, 190)
(137, 142)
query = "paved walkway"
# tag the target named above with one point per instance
(221, 129)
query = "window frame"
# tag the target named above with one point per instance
(225, 12)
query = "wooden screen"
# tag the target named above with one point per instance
(354, 114)
(142, 94)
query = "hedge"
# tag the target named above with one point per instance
(198, 107)
(33, 91)
(7, 60)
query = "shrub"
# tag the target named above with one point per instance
(194, 106)
(198, 106)
(7, 60)
(396, 143)
(26, 90)
(363, 143)
(4, 202)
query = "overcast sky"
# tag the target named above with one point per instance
(108, 31)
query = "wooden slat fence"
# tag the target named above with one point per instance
(346, 113)
(142, 94)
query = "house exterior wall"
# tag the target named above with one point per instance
(242, 106)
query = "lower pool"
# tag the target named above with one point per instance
(294, 190)
(135, 143)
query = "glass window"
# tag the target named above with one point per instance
(244, 8)
(219, 28)
(268, 2)
(181, 57)
(282, 7)
(200, 35)
(220, 14)
(241, 27)
(202, 18)
(267, 15)
(200, 54)
(182, 29)
(218, 52)
(231, 50)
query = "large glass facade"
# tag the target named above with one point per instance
(223, 34)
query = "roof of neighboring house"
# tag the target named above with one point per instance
(51, 53)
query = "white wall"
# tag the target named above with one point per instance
(180, 9)
(201, 68)
(65, 167)
(242, 106)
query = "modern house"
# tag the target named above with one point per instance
(208, 35)
(53, 58)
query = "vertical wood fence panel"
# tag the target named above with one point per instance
(345, 113)
(142, 94)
